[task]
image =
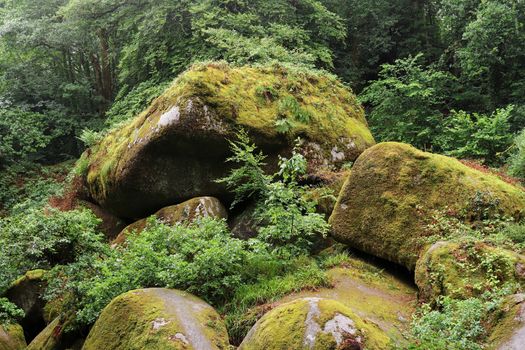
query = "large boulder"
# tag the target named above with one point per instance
(27, 293)
(186, 212)
(467, 269)
(12, 337)
(157, 318)
(387, 202)
(176, 148)
(314, 323)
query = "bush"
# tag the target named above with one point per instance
(291, 225)
(9, 312)
(455, 324)
(38, 239)
(477, 135)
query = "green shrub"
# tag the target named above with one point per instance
(9, 312)
(40, 239)
(291, 225)
(455, 324)
(477, 135)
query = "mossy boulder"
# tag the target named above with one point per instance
(159, 319)
(27, 293)
(58, 335)
(176, 148)
(464, 270)
(314, 323)
(12, 337)
(508, 332)
(386, 203)
(186, 212)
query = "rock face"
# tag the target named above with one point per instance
(26, 293)
(157, 318)
(176, 148)
(57, 335)
(387, 201)
(314, 323)
(466, 270)
(12, 337)
(185, 212)
(509, 330)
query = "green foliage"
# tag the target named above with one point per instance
(457, 324)
(517, 158)
(407, 102)
(38, 239)
(477, 135)
(9, 312)
(291, 225)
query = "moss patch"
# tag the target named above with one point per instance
(393, 187)
(12, 337)
(464, 270)
(157, 319)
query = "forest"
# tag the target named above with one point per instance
(262, 174)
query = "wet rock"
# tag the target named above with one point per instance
(158, 318)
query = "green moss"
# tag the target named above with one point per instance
(464, 270)
(12, 337)
(316, 107)
(33, 275)
(313, 323)
(151, 319)
(505, 324)
(386, 202)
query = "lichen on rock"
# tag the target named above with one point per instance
(160, 319)
(314, 323)
(386, 201)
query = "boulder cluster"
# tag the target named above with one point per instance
(165, 162)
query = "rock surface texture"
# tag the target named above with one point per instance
(393, 189)
(176, 148)
(314, 323)
(186, 212)
(159, 319)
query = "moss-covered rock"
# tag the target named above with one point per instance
(385, 204)
(176, 148)
(508, 332)
(12, 337)
(463, 270)
(185, 212)
(26, 293)
(157, 319)
(314, 323)
(57, 335)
